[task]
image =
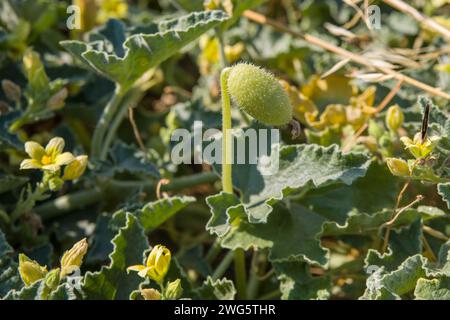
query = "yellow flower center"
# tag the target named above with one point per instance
(45, 160)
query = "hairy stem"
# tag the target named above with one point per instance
(227, 182)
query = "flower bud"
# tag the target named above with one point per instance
(52, 279)
(30, 271)
(394, 118)
(398, 167)
(76, 168)
(55, 183)
(158, 263)
(73, 258)
(174, 290)
(150, 294)
(12, 91)
(259, 94)
(57, 100)
(375, 129)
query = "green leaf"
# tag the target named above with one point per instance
(9, 275)
(398, 282)
(299, 166)
(296, 282)
(8, 139)
(289, 233)
(363, 224)
(434, 289)
(127, 159)
(9, 182)
(112, 282)
(157, 212)
(444, 191)
(145, 51)
(374, 192)
(31, 292)
(403, 243)
(220, 289)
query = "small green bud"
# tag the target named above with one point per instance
(55, 183)
(57, 100)
(30, 271)
(398, 167)
(174, 290)
(394, 118)
(12, 91)
(375, 129)
(73, 258)
(150, 294)
(52, 279)
(259, 94)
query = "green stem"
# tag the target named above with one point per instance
(105, 120)
(253, 284)
(240, 273)
(69, 202)
(223, 266)
(213, 251)
(227, 183)
(81, 199)
(129, 101)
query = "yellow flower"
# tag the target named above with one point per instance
(30, 271)
(51, 158)
(111, 9)
(419, 148)
(73, 258)
(76, 168)
(157, 264)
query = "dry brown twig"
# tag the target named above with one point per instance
(261, 19)
(406, 8)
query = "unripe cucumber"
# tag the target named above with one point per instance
(259, 94)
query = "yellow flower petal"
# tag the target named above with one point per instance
(143, 272)
(138, 267)
(34, 150)
(30, 164)
(64, 158)
(55, 146)
(51, 167)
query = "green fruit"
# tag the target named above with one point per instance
(259, 94)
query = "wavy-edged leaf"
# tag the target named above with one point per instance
(299, 166)
(220, 289)
(10, 280)
(157, 212)
(434, 289)
(444, 191)
(127, 159)
(289, 234)
(112, 282)
(145, 51)
(296, 282)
